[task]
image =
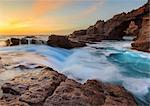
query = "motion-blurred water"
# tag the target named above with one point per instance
(109, 61)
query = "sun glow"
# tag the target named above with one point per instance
(23, 20)
(55, 16)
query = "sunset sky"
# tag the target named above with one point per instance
(58, 16)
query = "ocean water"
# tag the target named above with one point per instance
(108, 61)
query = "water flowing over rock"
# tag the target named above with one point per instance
(24, 40)
(63, 42)
(50, 88)
(53, 40)
(114, 28)
(14, 41)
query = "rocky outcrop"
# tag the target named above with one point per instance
(132, 30)
(50, 88)
(115, 28)
(143, 39)
(53, 40)
(25, 40)
(14, 41)
(63, 42)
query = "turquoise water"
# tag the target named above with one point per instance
(108, 61)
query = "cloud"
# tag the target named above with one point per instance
(41, 7)
(89, 10)
(32, 18)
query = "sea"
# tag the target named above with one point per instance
(108, 61)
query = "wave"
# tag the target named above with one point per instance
(113, 63)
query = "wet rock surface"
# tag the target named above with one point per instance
(24, 40)
(63, 42)
(53, 40)
(50, 88)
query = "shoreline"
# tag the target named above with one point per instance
(73, 92)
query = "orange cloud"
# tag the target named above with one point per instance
(31, 20)
(41, 7)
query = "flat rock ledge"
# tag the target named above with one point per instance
(50, 88)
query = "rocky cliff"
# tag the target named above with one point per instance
(50, 88)
(114, 28)
(143, 39)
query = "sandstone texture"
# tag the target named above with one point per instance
(143, 40)
(50, 88)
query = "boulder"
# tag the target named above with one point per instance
(14, 41)
(63, 42)
(50, 88)
(24, 41)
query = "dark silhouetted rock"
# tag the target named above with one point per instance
(14, 41)
(25, 40)
(63, 42)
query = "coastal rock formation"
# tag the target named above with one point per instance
(114, 28)
(25, 40)
(143, 39)
(132, 30)
(63, 42)
(53, 40)
(14, 41)
(50, 88)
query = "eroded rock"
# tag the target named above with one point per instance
(63, 42)
(24, 40)
(143, 39)
(114, 28)
(49, 88)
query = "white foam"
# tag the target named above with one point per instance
(86, 63)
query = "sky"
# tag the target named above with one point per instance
(45, 17)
